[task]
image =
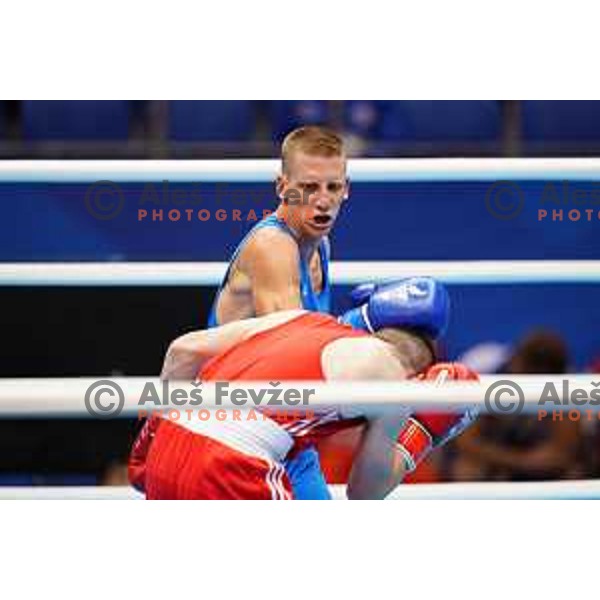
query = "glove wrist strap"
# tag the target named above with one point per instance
(415, 442)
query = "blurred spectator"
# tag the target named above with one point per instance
(487, 357)
(522, 448)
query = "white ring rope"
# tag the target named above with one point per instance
(576, 489)
(484, 272)
(58, 397)
(265, 170)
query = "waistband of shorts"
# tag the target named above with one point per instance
(262, 437)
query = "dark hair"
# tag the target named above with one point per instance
(540, 352)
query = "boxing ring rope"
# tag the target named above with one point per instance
(557, 490)
(484, 272)
(67, 397)
(56, 397)
(63, 397)
(265, 170)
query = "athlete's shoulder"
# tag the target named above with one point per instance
(270, 247)
(264, 237)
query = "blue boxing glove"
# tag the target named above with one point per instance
(361, 293)
(418, 303)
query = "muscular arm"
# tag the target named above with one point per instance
(379, 466)
(188, 353)
(271, 262)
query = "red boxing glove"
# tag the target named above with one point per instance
(425, 431)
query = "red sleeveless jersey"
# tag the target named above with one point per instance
(287, 352)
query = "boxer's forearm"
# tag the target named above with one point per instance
(183, 360)
(188, 353)
(378, 466)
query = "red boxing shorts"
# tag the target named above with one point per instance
(211, 460)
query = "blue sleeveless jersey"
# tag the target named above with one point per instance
(304, 469)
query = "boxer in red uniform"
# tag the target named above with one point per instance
(246, 458)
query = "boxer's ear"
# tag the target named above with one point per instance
(279, 185)
(347, 190)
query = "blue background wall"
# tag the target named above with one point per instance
(401, 221)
